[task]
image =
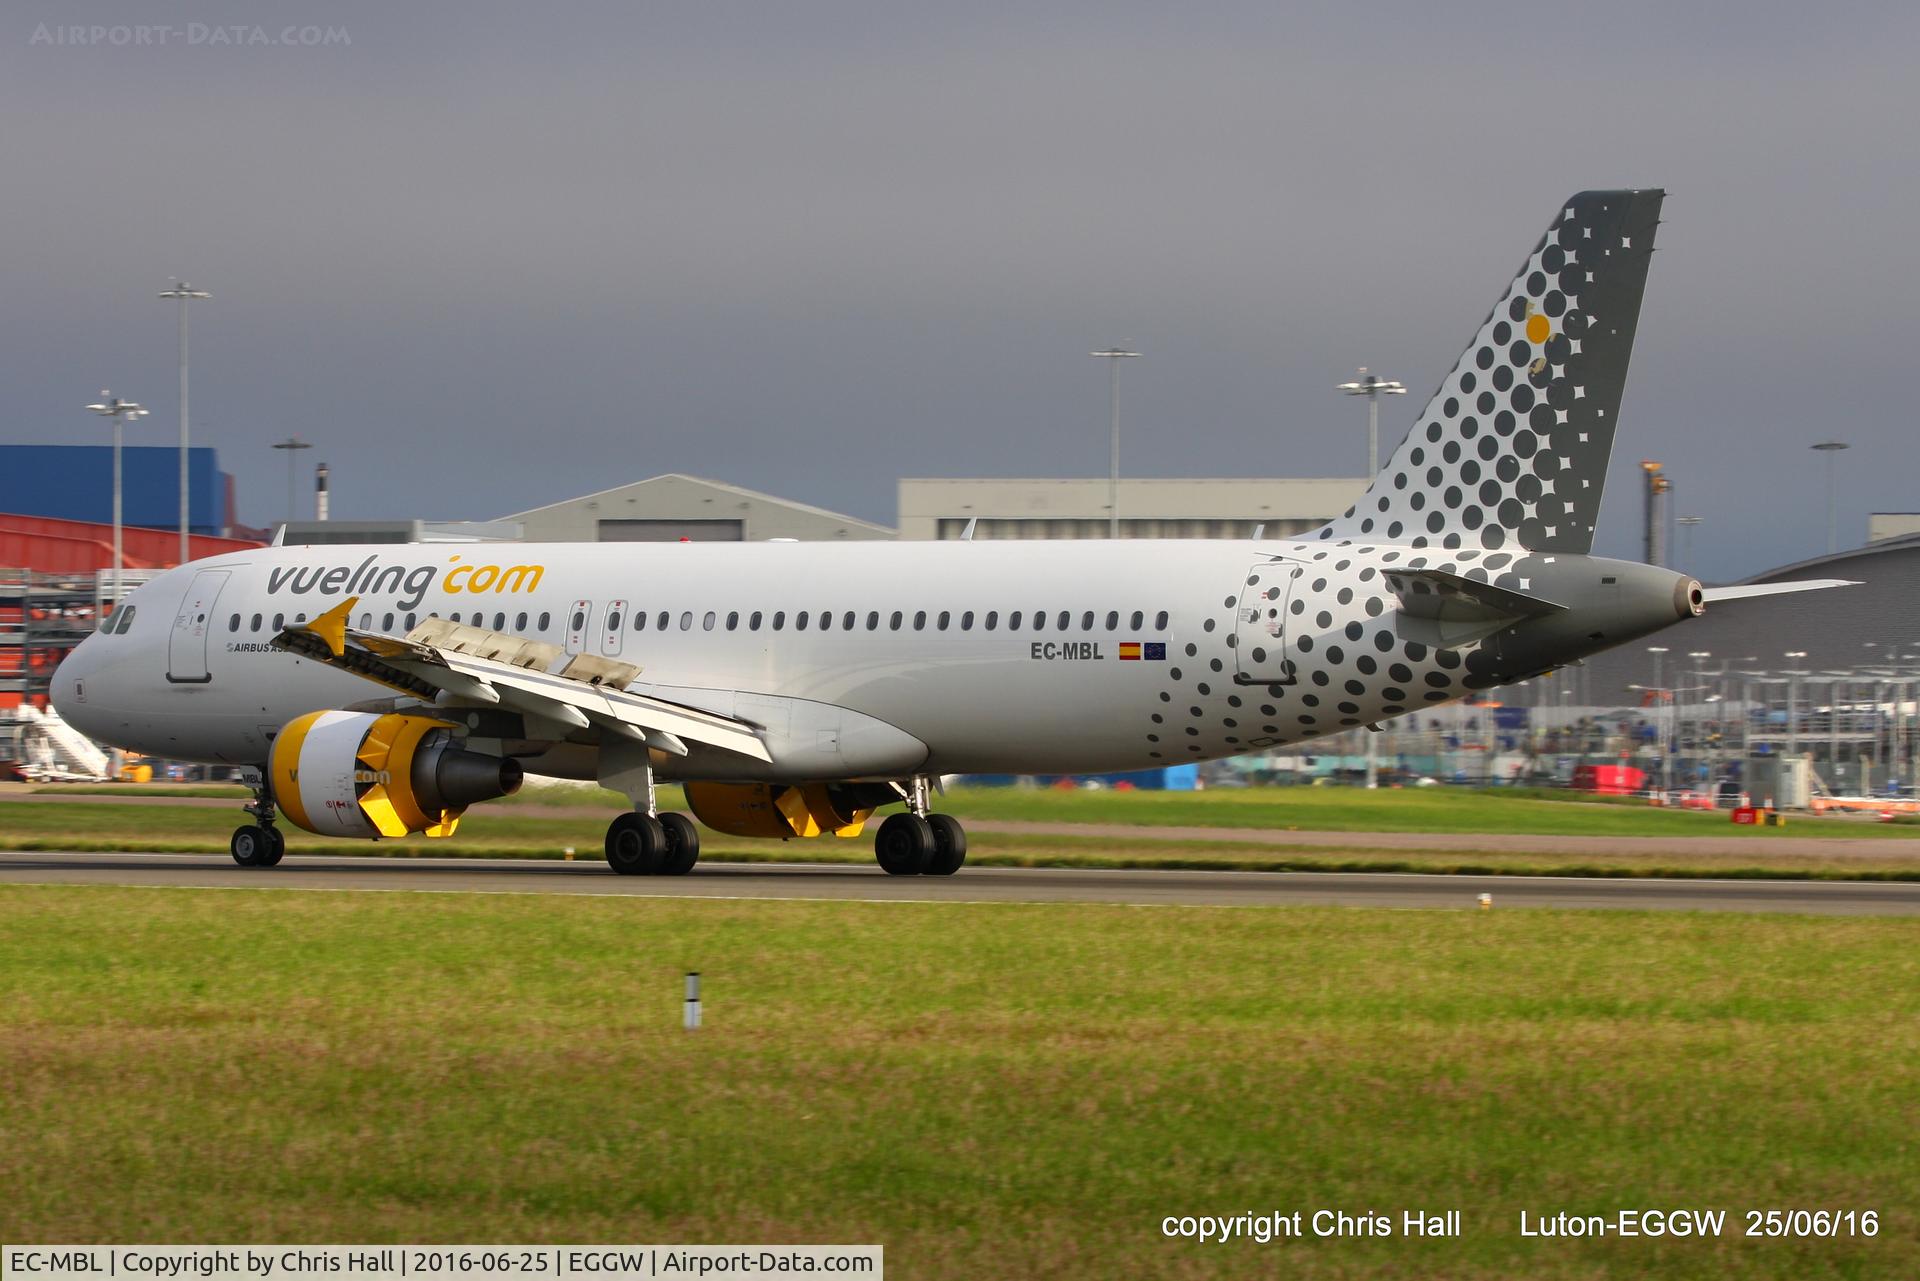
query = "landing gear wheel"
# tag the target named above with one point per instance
(904, 845)
(634, 844)
(682, 848)
(256, 846)
(949, 845)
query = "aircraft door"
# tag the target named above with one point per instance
(1260, 625)
(192, 624)
(611, 628)
(579, 619)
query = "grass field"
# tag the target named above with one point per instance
(545, 831)
(1275, 809)
(989, 1090)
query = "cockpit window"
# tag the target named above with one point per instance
(126, 619)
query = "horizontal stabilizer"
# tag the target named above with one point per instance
(1713, 595)
(1433, 593)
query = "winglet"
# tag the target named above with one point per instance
(331, 626)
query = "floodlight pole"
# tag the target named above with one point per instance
(1373, 389)
(111, 406)
(185, 293)
(292, 445)
(1830, 448)
(1113, 356)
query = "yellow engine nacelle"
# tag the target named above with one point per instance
(368, 775)
(776, 811)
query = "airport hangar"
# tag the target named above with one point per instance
(673, 507)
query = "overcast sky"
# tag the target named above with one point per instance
(489, 256)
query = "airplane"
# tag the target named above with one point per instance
(794, 688)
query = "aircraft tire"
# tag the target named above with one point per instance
(682, 848)
(276, 846)
(635, 843)
(949, 845)
(250, 845)
(904, 845)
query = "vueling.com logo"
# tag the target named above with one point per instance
(408, 584)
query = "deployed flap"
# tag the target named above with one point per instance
(1712, 594)
(1436, 594)
(449, 663)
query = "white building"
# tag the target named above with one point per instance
(1149, 508)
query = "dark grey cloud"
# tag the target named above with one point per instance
(489, 256)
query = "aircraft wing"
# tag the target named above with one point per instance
(451, 664)
(1712, 594)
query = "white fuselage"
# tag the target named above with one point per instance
(998, 656)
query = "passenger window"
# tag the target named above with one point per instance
(1113, 620)
(944, 619)
(1138, 619)
(386, 622)
(613, 621)
(733, 620)
(545, 619)
(919, 620)
(1066, 620)
(639, 620)
(519, 621)
(686, 620)
(966, 621)
(1040, 620)
(412, 617)
(846, 621)
(706, 624)
(233, 624)
(1160, 621)
(1086, 621)
(993, 617)
(253, 624)
(1013, 621)
(279, 622)
(753, 624)
(873, 620)
(660, 623)
(800, 621)
(300, 617)
(893, 623)
(826, 620)
(500, 622)
(779, 619)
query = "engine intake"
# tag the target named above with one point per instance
(369, 775)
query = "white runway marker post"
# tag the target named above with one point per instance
(691, 1019)
(1486, 902)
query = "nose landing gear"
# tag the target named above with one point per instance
(259, 843)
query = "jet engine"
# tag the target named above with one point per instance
(778, 811)
(370, 775)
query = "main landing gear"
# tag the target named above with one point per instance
(641, 844)
(919, 843)
(259, 843)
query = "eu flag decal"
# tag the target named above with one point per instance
(1154, 651)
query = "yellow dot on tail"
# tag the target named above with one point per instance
(1539, 328)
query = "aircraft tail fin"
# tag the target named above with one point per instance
(1512, 450)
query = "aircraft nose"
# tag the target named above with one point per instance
(68, 688)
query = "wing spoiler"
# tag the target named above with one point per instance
(451, 664)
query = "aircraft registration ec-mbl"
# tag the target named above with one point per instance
(793, 688)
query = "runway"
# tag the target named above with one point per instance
(973, 885)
